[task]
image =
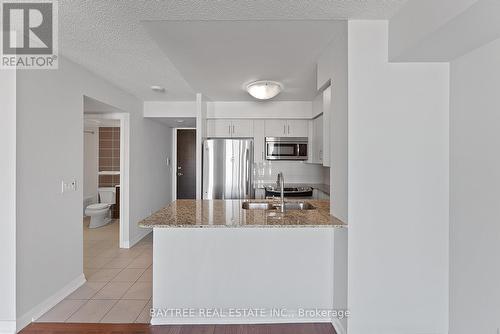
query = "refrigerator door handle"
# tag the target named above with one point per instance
(247, 165)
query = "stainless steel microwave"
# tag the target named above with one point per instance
(286, 148)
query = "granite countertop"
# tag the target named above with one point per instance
(323, 187)
(229, 213)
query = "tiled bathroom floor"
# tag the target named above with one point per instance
(119, 281)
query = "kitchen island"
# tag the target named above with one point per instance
(216, 262)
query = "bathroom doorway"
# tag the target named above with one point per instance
(106, 165)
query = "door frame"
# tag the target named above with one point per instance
(124, 224)
(174, 160)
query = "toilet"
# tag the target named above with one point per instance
(100, 213)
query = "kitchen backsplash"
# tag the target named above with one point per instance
(294, 172)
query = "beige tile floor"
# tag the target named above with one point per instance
(119, 281)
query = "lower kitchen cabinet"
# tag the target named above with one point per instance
(320, 195)
(260, 193)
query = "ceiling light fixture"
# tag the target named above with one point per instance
(264, 89)
(180, 121)
(158, 89)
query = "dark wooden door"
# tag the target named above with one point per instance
(186, 164)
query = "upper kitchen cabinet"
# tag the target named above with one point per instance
(218, 128)
(320, 128)
(242, 128)
(317, 106)
(316, 140)
(327, 114)
(297, 128)
(286, 128)
(259, 142)
(229, 128)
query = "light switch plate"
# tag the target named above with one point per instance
(68, 186)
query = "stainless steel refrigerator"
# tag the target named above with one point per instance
(228, 168)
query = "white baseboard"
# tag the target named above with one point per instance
(8, 327)
(339, 326)
(234, 321)
(137, 238)
(37, 311)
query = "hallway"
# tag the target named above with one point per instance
(119, 281)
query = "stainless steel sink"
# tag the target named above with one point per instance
(258, 206)
(298, 206)
(274, 206)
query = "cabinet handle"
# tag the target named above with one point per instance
(233, 129)
(284, 129)
(229, 129)
(288, 128)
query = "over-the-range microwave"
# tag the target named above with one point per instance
(286, 148)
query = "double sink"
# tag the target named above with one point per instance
(276, 206)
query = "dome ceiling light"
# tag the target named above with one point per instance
(158, 89)
(264, 89)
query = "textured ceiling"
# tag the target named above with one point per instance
(107, 37)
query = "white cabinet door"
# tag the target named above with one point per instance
(229, 128)
(286, 128)
(318, 194)
(260, 193)
(318, 139)
(275, 128)
(219, 128)
(297, 128)
(242, 128)
(259, 140)
(327, 103)
(317, 105)
(311, 159)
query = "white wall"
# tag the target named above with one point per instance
(398, 189)
(475, 189)
(417, 20)
(50, 149)
(181, 109)
(260, 109)
(90, 163)
(8, 202)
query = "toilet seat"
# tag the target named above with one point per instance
(98, 206)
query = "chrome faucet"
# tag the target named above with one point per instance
(280, 182)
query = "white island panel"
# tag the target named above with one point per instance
(252, 268)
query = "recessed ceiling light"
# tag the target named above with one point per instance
(158, 89)
(264, 89)
(180, 121)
